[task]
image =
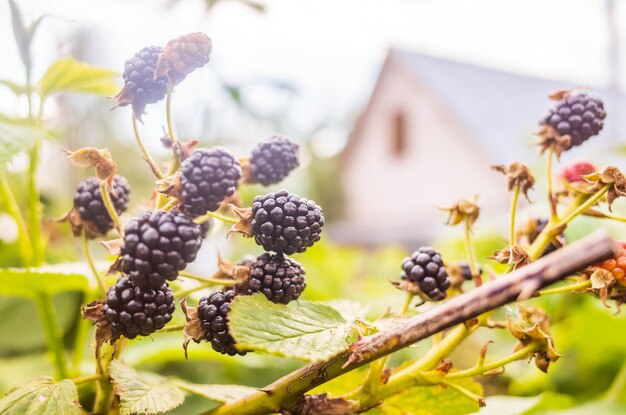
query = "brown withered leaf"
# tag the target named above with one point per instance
(193, 328)
(244, 225)
(464, 209)
(517, 175)
(610, 175)
(100, 159)
(94, 312)
(322, 404)
(513, 255)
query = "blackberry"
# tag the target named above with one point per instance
(183, 55)
(281, 279)
(138, 311)
(208, 177)
(141, 87)
(90, 206)
(273, 160)
(157, 245)
(213, 313)
(285, 223)
(466, 271)
(205, 227)
(577, 115)
(573, 173)
(426, 269)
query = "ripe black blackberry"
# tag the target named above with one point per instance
(577, 115)
(208, 177)
(281, 279)
(157, 245)
(426, 269)
(213, 314)
(466, 270)
(273, 160)
(286, 223)
(90, 206)
(138, 311)
(141, 87)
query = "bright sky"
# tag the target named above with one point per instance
(330, 50)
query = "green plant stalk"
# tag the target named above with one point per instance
(168, 114)
(208, 280)
(81, 338)
(146, 155)
(553, 212)
(513, 214)
(177, 327)
(34, 205)
(161, 198)
(85, 379)
(101, 283)
(469, 249)
(13, 209)
(478, 370)
(566, 288)
(208, 215)
(54, 334)
(618, 387)
(106, 198)
(104, 392)
(184, 293)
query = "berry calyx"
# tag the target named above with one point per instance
(213, 314)
(273, 160)
(281, 279)
(426, 269)
(616, 265)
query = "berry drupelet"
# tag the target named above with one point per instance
(213, 314)
(273, 160)
(426, 269)
(90, 206)
(208, 177)
(141, 87)
(616, 265)
(158, 245)
(138, 311)
(286, 223)
(281, 279)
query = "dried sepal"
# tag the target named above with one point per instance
(322, 404)
(94, 312)
(550, 138)
(171, 186)
(410, 287)
(116, 266)
(610, 176)
(512, 255)
(533, 327)
(517, 175)
(464, 210)
(246, 173)
(601, 282)
(234, 199)
(100, 159)
(244, 225)
(80, 226)
(114, 246)
(559, 94)
(193, 329)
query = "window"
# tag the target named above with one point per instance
(399, 134)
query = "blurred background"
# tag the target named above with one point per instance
(400, 107)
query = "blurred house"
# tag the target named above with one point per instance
(429, 135)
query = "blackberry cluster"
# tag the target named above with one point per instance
(273, 160)
(577, 115)
(213, 314)
(141, 87)
(138, 311)
(426, 269)
(90, 206)
(281, 279)
(286, 223)
(157, 246)
(208, 177)
(183, 55)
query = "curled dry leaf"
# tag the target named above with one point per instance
(99, 159)
(94, 312)
(464, 209)
(517, 175)
(611, 175)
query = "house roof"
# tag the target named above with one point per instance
(501, 110)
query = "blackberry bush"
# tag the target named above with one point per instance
(426, 269)
(157, 246)
(208, 177)
(281, 279)
(138, 311)
(90, 206)
(286, 223)
(273, 160)
(213, 314)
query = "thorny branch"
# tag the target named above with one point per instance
(520, 284)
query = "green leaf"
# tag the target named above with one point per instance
(532, 405)
(7, 119)
(23, 282)
(42, 396)
(144, 393)
(15, 139)
(303, 329)
(218, 393)
(595, 407)
(69, 75)
(431, 400)
(16, 88)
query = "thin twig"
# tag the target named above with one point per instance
(106, 198)
(146, 155)
(101, 283)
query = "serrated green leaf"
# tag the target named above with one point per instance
(23, 282)
(144, 393)
(42, 396)
(302, 330)
(16, 88)
(218, 393)
(69, 75)
(431, 400)
(15, 139)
